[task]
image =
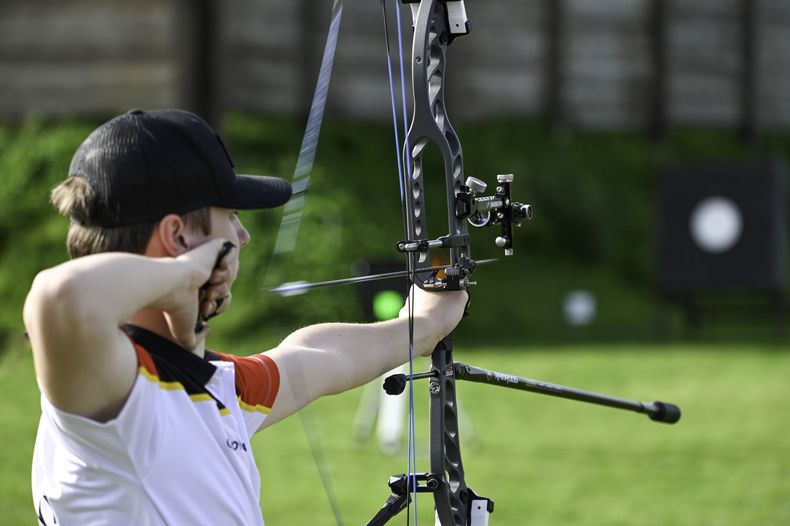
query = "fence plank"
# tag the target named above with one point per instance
(596, 67)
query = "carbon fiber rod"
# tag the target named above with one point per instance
(657, 411)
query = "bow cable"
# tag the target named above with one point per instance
(412, 267)
(404, 176)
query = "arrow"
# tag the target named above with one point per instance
(295, 288)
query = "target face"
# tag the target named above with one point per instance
(722, 229)
(716, 224)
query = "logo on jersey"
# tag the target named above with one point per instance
(236, 445)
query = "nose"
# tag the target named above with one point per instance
(241, 232)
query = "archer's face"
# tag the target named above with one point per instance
(225, 223)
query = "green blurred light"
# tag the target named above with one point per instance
(387, 304)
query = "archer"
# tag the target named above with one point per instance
(141, 423)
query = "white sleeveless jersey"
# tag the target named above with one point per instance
(178, 452)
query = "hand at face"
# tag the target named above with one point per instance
(215, 295)
(182, 307)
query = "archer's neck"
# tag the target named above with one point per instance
(154, 321)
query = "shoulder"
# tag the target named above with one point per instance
(257, 379)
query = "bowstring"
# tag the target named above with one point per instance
(404, 177)
(412, 462)
(394, 111)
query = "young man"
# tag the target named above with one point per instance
(140, 423)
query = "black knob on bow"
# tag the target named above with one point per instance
(395, 384)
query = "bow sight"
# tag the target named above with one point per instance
(491, 210)
(479, 211)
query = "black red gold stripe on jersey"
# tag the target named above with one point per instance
(171, 366)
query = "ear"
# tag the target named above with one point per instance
(171, 236)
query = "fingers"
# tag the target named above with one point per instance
(216, 291)
(215, 294)
(214, 305)
(211, 268)
(434, 316)
(225, 272)
(445, 309)
(428, 301)
(221, 304)
(207, 252)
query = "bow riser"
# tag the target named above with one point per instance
(431, 125)
(452, 497)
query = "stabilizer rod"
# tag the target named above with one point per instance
(657, 411)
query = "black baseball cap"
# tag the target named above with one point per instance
(144, 165)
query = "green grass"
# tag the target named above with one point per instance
(542, 460)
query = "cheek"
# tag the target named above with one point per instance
(224, 228)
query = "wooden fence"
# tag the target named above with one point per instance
(649, 64)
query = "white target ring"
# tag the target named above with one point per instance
(716, 224)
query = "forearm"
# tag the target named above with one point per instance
(105, 288)
(72, 313)
(84, 363)
(333, 357)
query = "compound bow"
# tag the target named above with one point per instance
(436, 24)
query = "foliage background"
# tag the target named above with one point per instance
(594, 227)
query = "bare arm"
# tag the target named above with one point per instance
(84, 363)
(333, 357)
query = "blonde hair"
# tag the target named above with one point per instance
(76, 199)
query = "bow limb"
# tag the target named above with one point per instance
(292, 214)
